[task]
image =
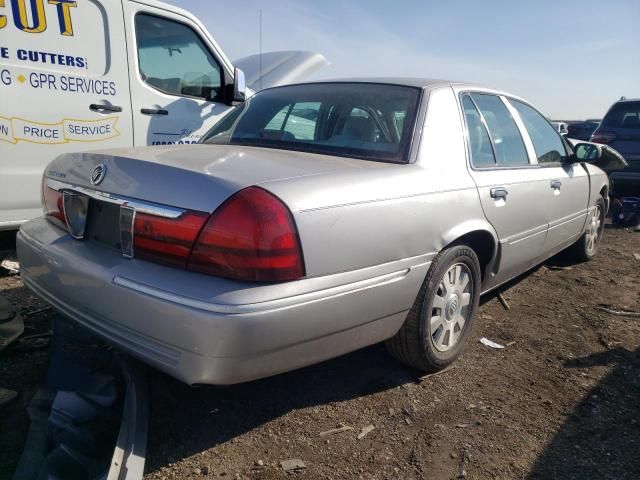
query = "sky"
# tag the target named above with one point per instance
(571, 59)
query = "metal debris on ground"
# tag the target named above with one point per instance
(292, 465)
(503, 301)
(31, 313)
(365, 431)
(559, 267)
(489, 343)
(7, 395)
(333, 431)
(32, 342)
(11, 324)
(511, 343)
(613, 311)
(429, 375)
(486, 316)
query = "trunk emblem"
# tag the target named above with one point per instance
(98, 174)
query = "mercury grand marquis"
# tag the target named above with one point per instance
(315, 219)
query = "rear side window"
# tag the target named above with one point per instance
(173, 59)
(507, 142)
(546, 141)
(623, 115)
(480, 147)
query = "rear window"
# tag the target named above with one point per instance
(623, 115)
(368, 121)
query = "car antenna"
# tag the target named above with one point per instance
(260, 41)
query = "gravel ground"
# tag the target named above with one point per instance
(560, 401)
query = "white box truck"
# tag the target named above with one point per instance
(94, 74)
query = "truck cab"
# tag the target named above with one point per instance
(98, 74)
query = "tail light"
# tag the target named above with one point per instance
(252, 236)
(52, 205)
(166, 240)
(603, 137)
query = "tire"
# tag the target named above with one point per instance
(587, 246)
(422, 346)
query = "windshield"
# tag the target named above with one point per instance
(360, 120)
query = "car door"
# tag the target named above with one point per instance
(178, 77)
(509, 184)
(566, 198)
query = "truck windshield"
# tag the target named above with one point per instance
(360, 120)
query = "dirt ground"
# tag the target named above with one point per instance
(561, 401)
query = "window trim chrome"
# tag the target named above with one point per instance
(468, 91)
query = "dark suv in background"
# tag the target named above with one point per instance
(620, 129)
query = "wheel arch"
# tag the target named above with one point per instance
(604, 191)
(481, 237)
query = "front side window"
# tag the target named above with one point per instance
(480, 147)
(546, 141)
(368, 121)
(507, 142)
(173, 59)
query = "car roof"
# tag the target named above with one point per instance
(416, 82)
(628, 100)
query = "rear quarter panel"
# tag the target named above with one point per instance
(388, 212)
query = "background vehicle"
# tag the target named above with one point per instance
(582, 130)
(620, 129)
(77, 76)
(315, 220)
(561, 127)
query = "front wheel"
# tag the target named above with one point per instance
(438, 325)
(587, 246)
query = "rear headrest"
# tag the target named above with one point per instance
(362, 128)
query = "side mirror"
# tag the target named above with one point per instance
(239, 86)
(603, 156)
(586, 152)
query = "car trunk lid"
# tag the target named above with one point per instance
(194, 177)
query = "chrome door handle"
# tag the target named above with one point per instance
(499, 192)
(556, 184)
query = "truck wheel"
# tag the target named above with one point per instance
(436, 329)
(587, 246)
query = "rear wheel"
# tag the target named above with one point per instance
(587, 246)
(438, 325)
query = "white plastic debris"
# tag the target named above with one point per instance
(489, 343)
(11, 264)
(292, 465)
(365, 430)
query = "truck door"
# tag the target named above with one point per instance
(178, 76)
(64, 87)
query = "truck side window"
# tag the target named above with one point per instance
(507, 141)
(546, 141)
(480, 147)
(173, 59)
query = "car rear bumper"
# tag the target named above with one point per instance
(203, 329)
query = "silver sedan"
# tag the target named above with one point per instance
(313, 220)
